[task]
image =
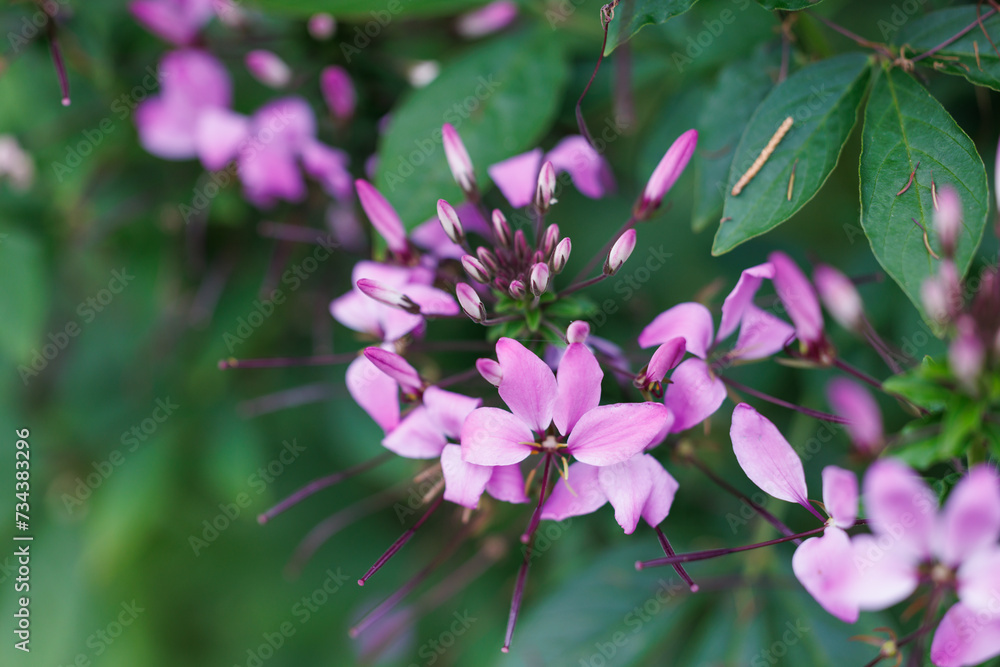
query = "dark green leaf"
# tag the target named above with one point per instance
(823, 99)
(790, 5)
(377, 12)
(923, 444)
(904, 125)
(630, 17)
(959, 57)
(741, 86)
(501, 97)
(919, 391)
(533, 318)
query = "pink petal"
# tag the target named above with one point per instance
(270, 172)
(166, 129)
(884, 573)
(579, 386)
(840, 296)
(586, 495)
(528, 386)
(338, 91)
(766, 457)
(665, 358)
(288, 120)
(449, 410)
(965, 637)
(823, 567)
(798, 296)
(517, 177)
(196, 78)
(840, 495)
(417, 436)
(665, 487)
(590, 172)
(494, 437)
(464, 483)
(489, 19)
(690, 321)
(978, 579)
(693, 395)
(627, 486)
(741, 297)
(852, 401)
(396, 367)
(382, 215)
(329, 167)
(356, 311)
(268, 68)
(432, 301)
(375, 392)
(176, 21)
(610, 434)
(670, 168)
(761, 335)
(970, 520)
(899, 505)
(507, 484)
(219, 135)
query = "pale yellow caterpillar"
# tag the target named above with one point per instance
(764, 154)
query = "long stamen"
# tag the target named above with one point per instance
(669, 550)
(864, 377)
(284, 362)
(320, 484)
(715, 553)
(57, 60)
(400, 541)
(825, 416)
(287, 398)
(295, 233)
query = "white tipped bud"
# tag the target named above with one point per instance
(390, 297)
(475, 269)
(561, 255)
(549, 240)
(539, 278)
(488, 259)
(840, 297)
(546, 186)
(449, 222)
(666, 173)
(470, 302)
(948, 219)
(620, 252)
(458, 159)
(517, 289)
(490, 370)
(268, 68)
(577, 331)
(501, 230)
(521, 245)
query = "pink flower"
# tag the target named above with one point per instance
(486, 20)
(799, 298)
(177, 21)
(839, 296)
(557, 416)
(338, 91)
(855, 403)
(458, 159)
(268, 68)
(620, 252)
(666, 173)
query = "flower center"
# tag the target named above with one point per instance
(550, 444)
(941, 574)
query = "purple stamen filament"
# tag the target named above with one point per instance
(400, 541)
(681, 572)
(714, 553)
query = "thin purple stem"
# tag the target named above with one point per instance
(825, 416)
(715, 553)
(57, 60)
(629, 224)
(581, 285)
(283, 362)
(861, 375)
(400, 541)
(669, 550)
(294, 233)
(954, 37)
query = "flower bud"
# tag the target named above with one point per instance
(521, 245)
(450, 223)
(549, 240)
(488, 259)
(397, 368)
(666, 173)
(666, 357)
(517, 289)
(840, 297)
(390, 297)
(268, 68)
(561, 255)
(856, 404)
(458, 159)
(620, 252)
(383, 216)
(475, 269)
(486, 20)
(546, 186)
(966, 353)
(577, 331)
(338, 92)
(539, 278)
(490, 370)
(322, 26)
(501, 230)
(470, 302)
(948, 219)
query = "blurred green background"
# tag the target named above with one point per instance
(128, 538)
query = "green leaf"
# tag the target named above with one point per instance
(501, 97)
(959, 57)
(920, 391)
(533, 318)
(789, 5)
(24, 299)
(741, 87)
(631, 17)
(961, 421)
(904, 125)
(823, 98)
(377, 12)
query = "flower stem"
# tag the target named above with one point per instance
(861, 375)
(668, 550)
(581, 285)
(958, 35)
(629, 224)
(714, 553)
(825, 416)
(400, 541)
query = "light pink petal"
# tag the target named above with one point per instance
(610, 434)
(494, 437)
(884, 573)
(978, 579)
(268, 68)
(970, 520)
(528, 386)
(666, 357)
(579, 386)
(761, 334)
(965, 637)
(517, 177)
(397, 323)
(693, 395)
(270, 171)
(690, 321)
(660, 499)
(375, 392)
(823, 567)
(166, 129)
(627, 486)
(219, 135)
(840, 495)
(899, 505)
(486, 20)
(288, 120)
(766, 457)
(464, 482)
(741, 297)
(338, 91)
(590, 172)
(585, 497)
(396, 367)
(798, 296)
(417, 436)
(852, 401)
(356, 311)
(176, 21)
(329, 167)
(382, 215)
(387, 274)
(195, 77)
(449, 410)
(432, 301)
(507, 484)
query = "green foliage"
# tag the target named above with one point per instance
(971, 55)
(631, 17)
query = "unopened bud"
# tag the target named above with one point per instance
(397, 368)
(666, 173)
(488, 259)
(546, 186)
(561, 255)
(517, 289)
(549, 240)
(390, 297)
(966, 353)
(470, 302)
(449, 222)
(475, 269)
(620, 252)
(521, 245)
(840, 297)
(501, 230)
(490, 370)
(322, 26)
(458, 159)
(268, 68)
(948, 219)
(338, 91)
(577, 331)
(539, 278)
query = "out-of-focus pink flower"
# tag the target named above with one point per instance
(338, 92)
(856, 404)
(15, 163)
(966, 353)
(948, 219)
(839, 296)
(268, 68)
(177, 21)
(322, 26)
(361, 313)
(802, 305)
(666, 173)
(486, 20)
